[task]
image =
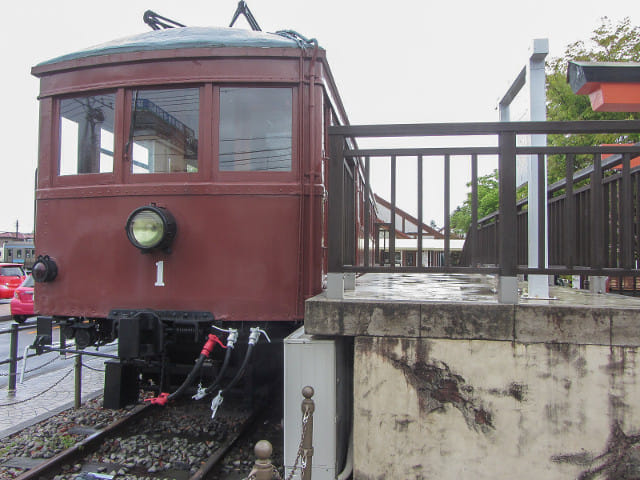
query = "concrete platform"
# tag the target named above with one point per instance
(449, 383)
(466, 307)
(44, 395)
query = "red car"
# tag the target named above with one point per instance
(22, 301)
(11, 276)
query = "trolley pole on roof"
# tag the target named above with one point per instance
(243, 9)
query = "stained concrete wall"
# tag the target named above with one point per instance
(489, 409)
(475, 389)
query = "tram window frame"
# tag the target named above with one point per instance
(257, 175)
(84, 178)
(203, 137)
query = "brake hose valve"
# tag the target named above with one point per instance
(232, 338)
(201, 393)
(161, 399)
(215, 404)
(208, 347)
(254, 336)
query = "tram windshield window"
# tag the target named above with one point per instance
(86, 134)
(165, 130)
(255, 129)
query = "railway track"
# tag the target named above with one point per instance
(176, 442)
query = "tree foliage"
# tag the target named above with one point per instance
(487, 204)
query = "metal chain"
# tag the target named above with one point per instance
(276, 474)
(38, 394)
(92, 368)
(7, 374)
(300, 454)
(57, 357)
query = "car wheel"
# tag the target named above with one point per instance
(19, 318)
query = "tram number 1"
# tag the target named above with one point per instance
(159, 274)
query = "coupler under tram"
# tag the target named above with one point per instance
(171, 353)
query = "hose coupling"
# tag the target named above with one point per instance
(254, 336)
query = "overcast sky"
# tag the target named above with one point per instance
(394, 62)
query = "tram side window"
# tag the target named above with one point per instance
(165, 130)
(255, 129)
(86, 134)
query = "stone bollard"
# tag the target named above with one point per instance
(308, 408)
(262, 468)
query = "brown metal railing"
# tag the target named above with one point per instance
(594, 214)
(574, 216)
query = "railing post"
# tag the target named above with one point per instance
(570, 215)
(508, 281)
(597, 283)
(447, 210)
(308, 408)
(335, 279)
(262, 468)
(13, 357)
(473, 231)
(626, 213)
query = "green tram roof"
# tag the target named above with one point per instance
(180, 38)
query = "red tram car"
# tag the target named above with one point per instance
(181, 183)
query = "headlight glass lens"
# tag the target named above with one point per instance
(147, 228)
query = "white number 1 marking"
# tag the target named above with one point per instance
(160, 274)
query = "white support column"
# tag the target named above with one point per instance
(335, 286)
(598, 284)
(538, 284)
(533, 76)
(508, 290)
(350, 281)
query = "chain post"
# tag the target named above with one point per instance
(262, 468)
(78, 381)
(13, 358)
(308, 407)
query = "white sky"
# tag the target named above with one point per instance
(394, 62)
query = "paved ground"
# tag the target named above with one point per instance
(5, 313)
(41, 396)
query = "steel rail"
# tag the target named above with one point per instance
(89, 444)
(83, 447)
(219, 454)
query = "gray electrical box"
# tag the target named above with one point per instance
(326, 365)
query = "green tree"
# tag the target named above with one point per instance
(609, 43)
(487, 204)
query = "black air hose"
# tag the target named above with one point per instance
(253, 339)
(204, 354)
(223, 369)
(240, 372)
(190, 378)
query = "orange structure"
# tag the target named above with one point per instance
(611, 86)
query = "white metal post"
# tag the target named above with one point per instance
(538, 284)
(533, 76)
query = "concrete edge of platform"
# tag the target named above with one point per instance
(523, 323)
(39, 418)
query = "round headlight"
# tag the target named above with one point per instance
(44, 269)
(150, 228)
